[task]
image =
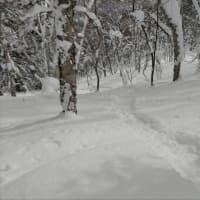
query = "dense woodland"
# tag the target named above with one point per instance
(40, 38)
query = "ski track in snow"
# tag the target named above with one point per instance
(112, 128)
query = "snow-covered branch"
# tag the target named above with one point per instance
(90, 15)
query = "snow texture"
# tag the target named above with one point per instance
(139, 15)
(126, 142)
(116, 34)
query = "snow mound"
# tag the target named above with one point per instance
(49, 85)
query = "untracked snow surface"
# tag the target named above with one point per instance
(132, 142)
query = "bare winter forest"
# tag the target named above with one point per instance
(99, 99)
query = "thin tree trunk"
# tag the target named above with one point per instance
(155, 45)
(104, 68)
(97, 74)
(97, 50)
(177, 62)
(10, 74)
(133, 5)
(151, 53)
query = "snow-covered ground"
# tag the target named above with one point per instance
(133, 142)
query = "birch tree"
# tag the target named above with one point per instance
(67, 65)
(171, 10)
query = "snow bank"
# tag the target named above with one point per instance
(49, 85)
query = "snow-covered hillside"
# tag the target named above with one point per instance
(133, 142)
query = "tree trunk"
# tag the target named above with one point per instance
(104, 68)
(12, 86)
(155, 44)
(177, 48)
(1, 39)
(97, 74)
(10, 72)
(177, 62)
(198, 67)
(133, 5)
(68, 68)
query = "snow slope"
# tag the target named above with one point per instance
(133, 142)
